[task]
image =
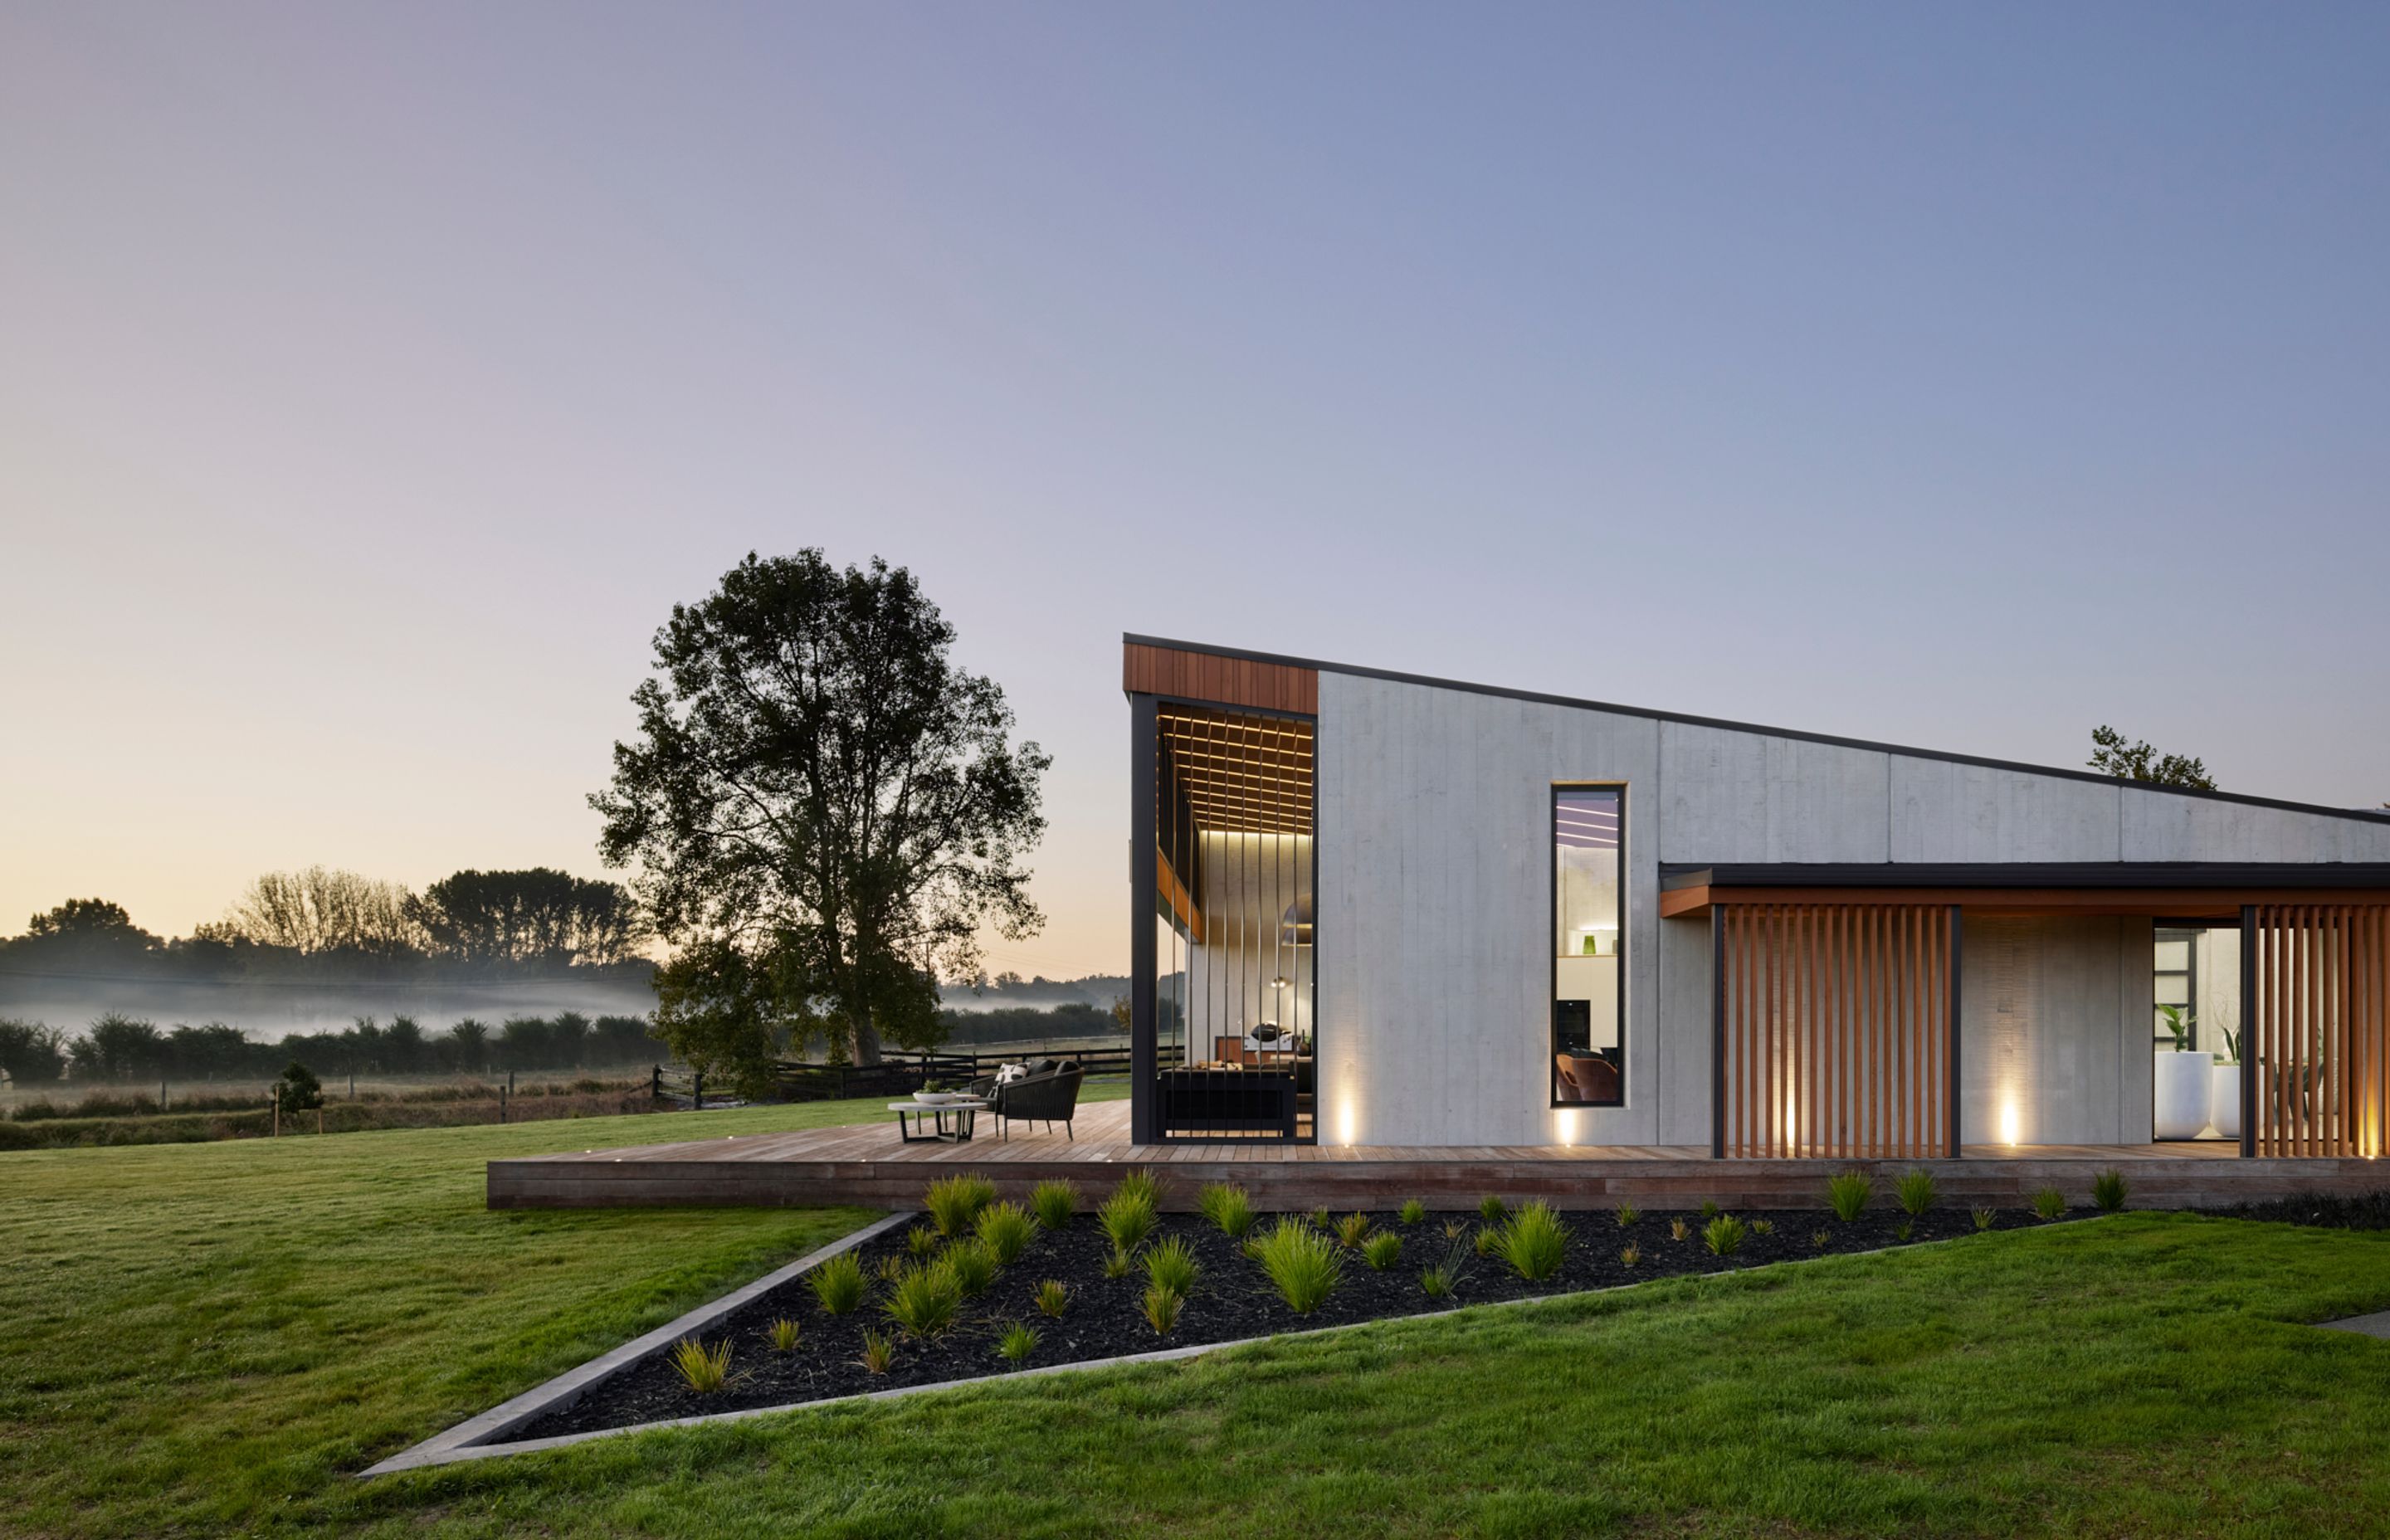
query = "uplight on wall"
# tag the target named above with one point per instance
(1564, 1126)
(2009, 1121)
(1348, 1120)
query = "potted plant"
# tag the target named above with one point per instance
(2184, 1080)
(2224, 1096)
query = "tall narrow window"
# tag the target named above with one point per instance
(1588, 946)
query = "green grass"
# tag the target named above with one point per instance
(206, 1339)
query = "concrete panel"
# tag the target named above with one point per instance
(1435, 877)
(2054, 1026)
(1942, 811)
(1682, 1034)
(2160, 826)
(1735, 796)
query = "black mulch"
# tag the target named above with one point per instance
(1232, 1299)
(2367, 1211)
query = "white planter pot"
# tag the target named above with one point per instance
(2223, 1100)
(2183, 1083)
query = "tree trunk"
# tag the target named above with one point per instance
(866, 1041)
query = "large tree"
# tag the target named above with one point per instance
(2138, 762)
(823, 808)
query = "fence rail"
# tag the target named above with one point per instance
(795, 1080)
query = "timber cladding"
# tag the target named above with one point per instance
(1182, 676)
(2318, 1039)
(1835, 1029)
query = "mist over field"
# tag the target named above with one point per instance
(269, 1011)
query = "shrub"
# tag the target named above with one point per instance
(838, 1283)
(1413, 1211)
(703, 1370)
(1489, 1241)
(925, 1299)
(1492, 1210)
(1352, 1227)
(1915, 1192)
(1117, 1263)
(1381, 1250)
(1626, 1214)
(1847, 1194)
(1054, 1203)
(1016, 1342)
(1162, 1306)
(879, 1352)
(1629, 1254)
(891, 1268)
(1762, 1226)
(973, 1262)
(955, 1201)
(1228, 1206)
(1679, 1230)
(1320, 1219)
(1724, 1235)
(1709, 1209)
(2050, 1204)
(1144, 1184)
(1984, 1219)
(1053, 1297)
(1436, 1282)
(2108, 1190)
(921, 1240)
(1535, 1242)
(1303, 1264)
(1455, 1230)
(1170, 1265)
(1128, 1217)
(783, 1333)
(1005, 1230)
(1902, 1231)
(1821, 1239)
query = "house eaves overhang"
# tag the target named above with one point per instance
(2183, 890)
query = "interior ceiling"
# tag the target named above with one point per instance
(1240, 775)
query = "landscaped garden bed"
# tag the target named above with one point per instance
(977, 1288)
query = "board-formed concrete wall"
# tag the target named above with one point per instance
(1434, 906)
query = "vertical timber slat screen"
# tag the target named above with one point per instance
(1836, 1030)
(2319, 1042)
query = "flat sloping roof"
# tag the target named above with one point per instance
(2360, 813)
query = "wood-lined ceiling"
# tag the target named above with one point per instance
(1239, 774)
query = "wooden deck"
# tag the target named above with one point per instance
(865, 1165)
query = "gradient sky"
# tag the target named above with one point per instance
(373, 379)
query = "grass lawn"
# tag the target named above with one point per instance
(203, 1339)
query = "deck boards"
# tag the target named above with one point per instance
(867, 1164)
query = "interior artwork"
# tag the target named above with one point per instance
(1588, 1052)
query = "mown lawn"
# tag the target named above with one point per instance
(205, 1339)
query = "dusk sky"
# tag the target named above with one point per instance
(373, 381)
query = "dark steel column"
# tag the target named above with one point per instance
(1143, 881)
(1717, 1030)
(1958, 934)
(2248, 1022)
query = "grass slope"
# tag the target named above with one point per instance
(204, 1339)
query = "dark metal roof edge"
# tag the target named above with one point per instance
(2362, 814)
(2025, 874)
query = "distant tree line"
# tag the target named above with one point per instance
(323, 924)
(125, 1048)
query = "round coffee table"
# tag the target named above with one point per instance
(930, 1125)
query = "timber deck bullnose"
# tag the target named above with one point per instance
(865, 1165)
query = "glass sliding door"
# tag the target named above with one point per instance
(1589, 1037)
(1233, 929)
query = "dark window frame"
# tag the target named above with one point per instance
(1551, 948)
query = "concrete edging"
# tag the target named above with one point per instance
(478, 1439)
(480, 1435)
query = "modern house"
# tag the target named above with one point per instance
(1373, 909)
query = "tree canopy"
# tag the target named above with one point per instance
(823, 809)
(2138, 762)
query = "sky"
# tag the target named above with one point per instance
(373, 381)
